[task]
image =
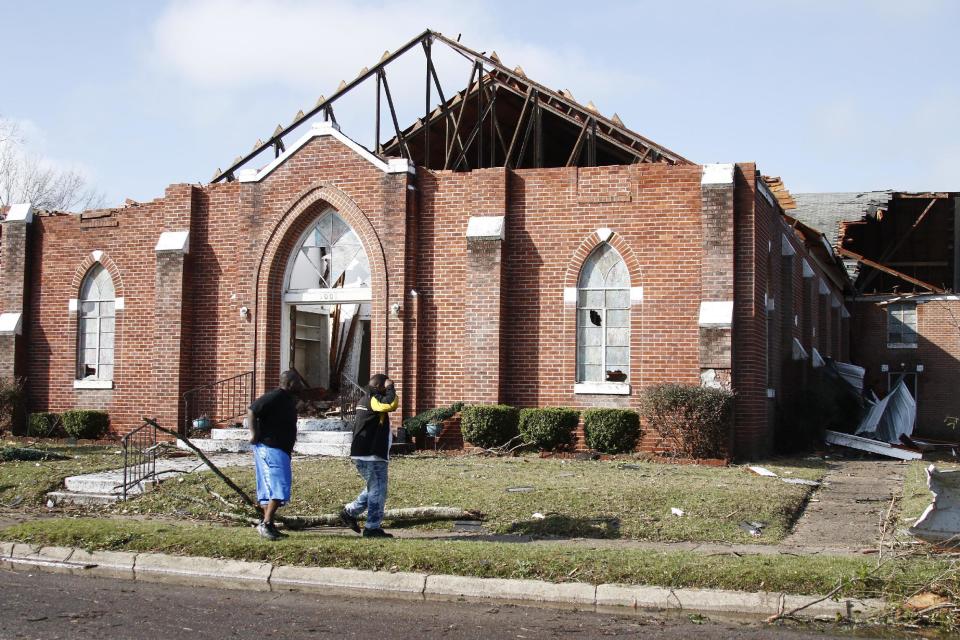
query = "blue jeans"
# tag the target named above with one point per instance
(374, 496)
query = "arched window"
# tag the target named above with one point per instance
(96, 326)
(603, 318)
(330, 256)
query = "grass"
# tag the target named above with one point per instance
(596, 499)
(30, 481)
(544, 561)
(916, 495)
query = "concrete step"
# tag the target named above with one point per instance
(322, 449)
(324, 424)
(209, 445)
(58, 498)
(227, 436)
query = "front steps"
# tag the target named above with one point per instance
(315, 437)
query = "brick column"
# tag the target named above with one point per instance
(13, 287)
(482, 312)
(716, 274)
(168, 331)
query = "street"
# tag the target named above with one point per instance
(48, 606)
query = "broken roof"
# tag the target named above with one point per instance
(826, 211)
(501, 118)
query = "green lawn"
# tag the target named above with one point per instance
(598, 499)
(31, 480)
(546, 561)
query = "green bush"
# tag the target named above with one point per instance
(84, 423)
(549, 428)
(611, 430)
(417, 425)
(42, 424)
(489, 426)
(694, 421)
(11, 403)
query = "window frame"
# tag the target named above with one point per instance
(895, 313)
(602, 386)
(97, 317)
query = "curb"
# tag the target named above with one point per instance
(262, 576)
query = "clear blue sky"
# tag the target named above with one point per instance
(831, 95)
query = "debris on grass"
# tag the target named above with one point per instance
(755, 529)
(762, 471)
(676, 512)
(26, 454)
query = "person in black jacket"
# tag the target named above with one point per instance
(272, 419)
(370, 452)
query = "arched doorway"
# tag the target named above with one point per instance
(325, 314)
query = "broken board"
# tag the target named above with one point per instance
(873, 446)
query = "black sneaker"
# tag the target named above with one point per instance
(349, 520)
(267, 531)
(376, 533)
(280, 534)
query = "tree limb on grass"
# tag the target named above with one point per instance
(410, 514)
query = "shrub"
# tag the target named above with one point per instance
(489, 426)
(611, 430)
(417, 425)
(84, 423)
(547, 429)
(693, 420)
(42, 424)
(11, 402)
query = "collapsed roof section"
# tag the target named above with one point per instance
(893, 242)
(501, 119)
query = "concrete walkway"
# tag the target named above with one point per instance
(844, 514)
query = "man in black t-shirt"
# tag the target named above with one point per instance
(272, 419)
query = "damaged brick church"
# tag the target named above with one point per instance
(513, 245)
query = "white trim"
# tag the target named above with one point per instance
(21, 212)
(786, 248)
(93, 384)
(96, 255)
(177, 241)
(717, 174)
(636, 295)
(816, 359)
(602, 388)
(824, 289)
(319, 130)
(799, 353)
(844, 313)
(807, 269)
(604, 233)
(827, 245)
(73, 305)
(771, 393)
(901, 345)
(766, 193)
(359, 295)
(11, 323)
(771, 303)
(570, 295)
(486, 227)
(716, 313)
(834, 302)
(118, 304)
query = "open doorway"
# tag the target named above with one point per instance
(331, 343)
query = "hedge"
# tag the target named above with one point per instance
(417, 425)
(693, 421)
(548, 428)
(611, 430)
(489, 426)
(84, 423)
(42, 424)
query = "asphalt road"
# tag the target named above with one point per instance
(49, 606)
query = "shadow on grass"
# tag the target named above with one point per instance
(556, 525)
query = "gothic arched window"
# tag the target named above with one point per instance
(603, 318)
(330, 256)
(96, 325)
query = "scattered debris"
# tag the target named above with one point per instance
(538, 516)
(762, 471)
(676, 512)
(940, 522)
(15, 502)
(629, 466)
(26, 454)
(807, 483)
(889, 419)
(755, 529)
(520, 489)
(925, 600)
(873, 446)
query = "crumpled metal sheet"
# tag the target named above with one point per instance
(890, 418)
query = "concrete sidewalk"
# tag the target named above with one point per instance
(261, 576)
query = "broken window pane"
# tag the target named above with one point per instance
(330, 250)
(603, 317)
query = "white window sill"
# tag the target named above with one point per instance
(901, 345)
(93, 384)
(602, 388)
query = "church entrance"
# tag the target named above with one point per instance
(326, 309)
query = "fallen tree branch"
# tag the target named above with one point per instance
(503, 450)
(230, 483)
(410, 514)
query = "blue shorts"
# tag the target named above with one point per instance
(273, 474)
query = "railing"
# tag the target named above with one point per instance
(350, 395)
(139, 457)
(222, 402)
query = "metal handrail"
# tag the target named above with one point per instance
(221, 401)
(139, 456)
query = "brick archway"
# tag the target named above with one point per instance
(588, 245)
(306, 208)
(92, 259)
